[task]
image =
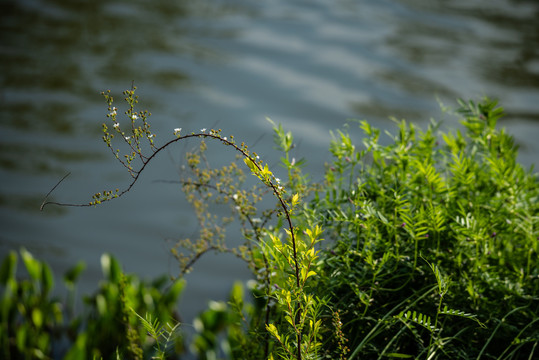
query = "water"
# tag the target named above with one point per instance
(309, 65)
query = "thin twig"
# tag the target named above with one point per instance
(271, 184)
(45, 202)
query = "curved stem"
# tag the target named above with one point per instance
(270, 183)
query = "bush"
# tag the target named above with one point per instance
(430, 247)
(37, 325)
(424, 235)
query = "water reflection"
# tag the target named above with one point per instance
(36, 159)
(378, 108)
(61, 46)
(27, 204)
(39, 116)
(56, 57)
(499, 40)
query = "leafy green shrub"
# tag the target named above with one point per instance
(36, 325)
(466, 207)
(29, 317)
(430, 248)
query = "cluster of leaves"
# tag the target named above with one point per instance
(36, 324)
(284, 267)
(424, 238)
(430, 246)
(398, 214)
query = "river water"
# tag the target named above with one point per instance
(309, 65)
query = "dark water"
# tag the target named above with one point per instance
(309, 65)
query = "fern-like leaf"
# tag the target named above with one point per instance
(437, 218)
(453, 312)
(418, 318)
(153, 327)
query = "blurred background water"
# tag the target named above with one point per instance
(309, 65)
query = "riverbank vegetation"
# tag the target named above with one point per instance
(424, 248)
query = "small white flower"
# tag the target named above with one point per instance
(258, 157)
(257, 220)
(127, 137)
(177, 130)
(116, 125)
(224, 138)
(151, 136)
(235, 197)
(203, 130)
(113, 113)
(134, 117)
(278, 180)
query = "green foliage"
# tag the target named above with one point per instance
(430, 248)
(225, 328)
(162, 335)
(37, 325)
(27, 312)
(466, 207)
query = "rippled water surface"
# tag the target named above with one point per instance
(309, 65)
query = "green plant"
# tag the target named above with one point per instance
(294, 259)
(392, 216)
(227, 329)
(112, 322)
(162, 335)
(29, 315)
(466, 207)
(36, 325)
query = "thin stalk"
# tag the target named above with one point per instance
(496, 329)
(375, 330)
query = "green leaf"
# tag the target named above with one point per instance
(9, 267)
(71, 276)
(33, 266)
(153, 327)
(453, 312)
(37, 317)
(382, 217)
(295, 199)
(236, 294)
(47, 279)
(21, 336)
(254, 169)
(417, 318)
(174, 291)
(289, 319)
(399, 355)
(78, 350)
(111, 268)
(273, 331)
